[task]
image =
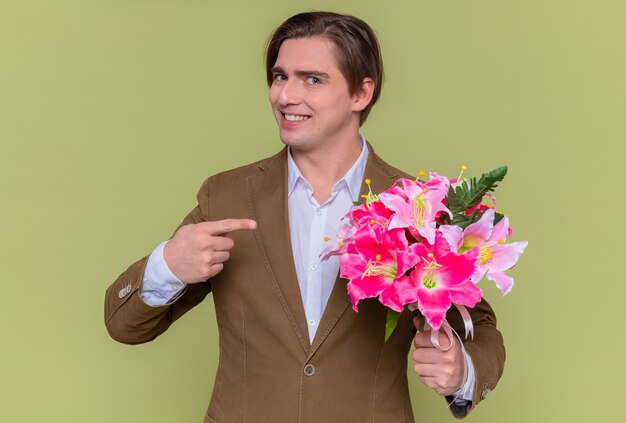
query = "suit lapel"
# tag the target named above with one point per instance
(267, 200)
(381, 176)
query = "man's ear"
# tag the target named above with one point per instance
(363, 95)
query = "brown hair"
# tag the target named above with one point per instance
(357, 50)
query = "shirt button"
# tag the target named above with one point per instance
(311, 322)
(314, 266)
(309, 370)
(319, 212)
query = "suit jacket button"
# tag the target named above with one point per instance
(309, 369)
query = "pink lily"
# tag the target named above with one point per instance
(375, 216)
(495, 257)
(474, 235)
(418, 205)
(341, 242)
(362, 217)
(373, 266)
(439, 279)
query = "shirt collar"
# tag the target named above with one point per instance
(352, 178)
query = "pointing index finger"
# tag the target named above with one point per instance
(225, 226)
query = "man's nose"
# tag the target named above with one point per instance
(289, 93)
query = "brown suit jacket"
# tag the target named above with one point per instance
(268, 370)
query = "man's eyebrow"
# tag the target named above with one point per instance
(312, 72)
(303, 72)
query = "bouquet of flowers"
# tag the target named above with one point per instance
(426, 245)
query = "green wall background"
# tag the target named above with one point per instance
(113, 112)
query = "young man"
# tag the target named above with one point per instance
(290, 348)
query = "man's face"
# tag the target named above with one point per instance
(310, 97)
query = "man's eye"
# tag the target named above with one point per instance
(280, 77)
(313, 80)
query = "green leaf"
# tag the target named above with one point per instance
(467, 194)
(392, 321)
(497, 217)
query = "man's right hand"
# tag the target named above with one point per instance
(197, 252)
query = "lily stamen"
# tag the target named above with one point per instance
(463, 169)
(430, 264)
(377, 268)
(420, 208)
(373, 222)
(485, 252)
(370, 197)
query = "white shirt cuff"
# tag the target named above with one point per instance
(466, 393)
(160, 286)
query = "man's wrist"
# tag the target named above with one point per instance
(466, 392)
(160, 286)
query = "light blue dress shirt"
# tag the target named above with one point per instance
(309, 223)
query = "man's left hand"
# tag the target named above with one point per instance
(440, 370)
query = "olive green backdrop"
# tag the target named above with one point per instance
(113, 112)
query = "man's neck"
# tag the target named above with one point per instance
(322, 169)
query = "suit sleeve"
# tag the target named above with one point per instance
(486, 350)
(131, 321)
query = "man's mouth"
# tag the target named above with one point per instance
(295, 118)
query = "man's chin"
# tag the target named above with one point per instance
(293, 142)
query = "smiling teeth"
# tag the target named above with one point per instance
(295, 118)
